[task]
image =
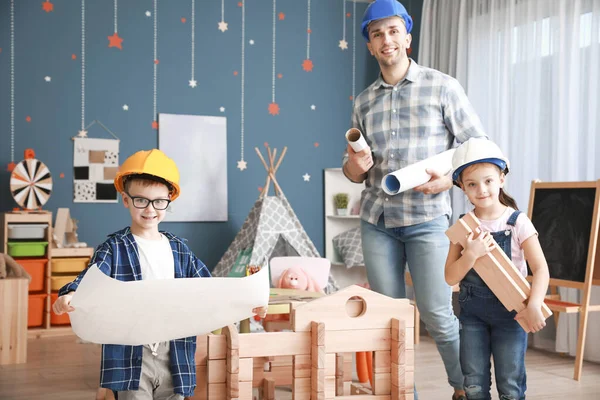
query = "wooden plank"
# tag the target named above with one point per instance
(563, 306)
(217, 391)
(382, 361)
(333, 311)
(13, 320)
(201, 355)
(302, 365)
(217, 347)
(301, 389)
(216, 371)
(274, 344)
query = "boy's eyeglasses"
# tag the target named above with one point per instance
(142, 202)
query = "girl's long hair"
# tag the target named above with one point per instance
(507, 200)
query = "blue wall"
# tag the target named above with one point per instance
(44, 43)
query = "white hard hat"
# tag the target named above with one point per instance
(474, 151)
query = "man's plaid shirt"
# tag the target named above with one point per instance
(121, 366)
(416, 119)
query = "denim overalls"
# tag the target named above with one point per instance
(489, 329)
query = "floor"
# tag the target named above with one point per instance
(60, 368)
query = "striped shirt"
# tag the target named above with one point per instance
(121, 366)
(419, 117)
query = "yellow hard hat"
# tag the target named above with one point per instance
(152, 162)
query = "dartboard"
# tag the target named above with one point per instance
(31, 184)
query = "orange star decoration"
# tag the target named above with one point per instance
(183, 20)
(115, 41)
(47, 6)
(260, 188)
(279, 76)
(281, 16)
(273, 108)
(309, 31)
(154, 125)
(307, 65)
(348, 15)
(28, 118)
(62, 175)
(316, 144)
(266, 144)
(239, 4)
(73, 57)
(156, 61)
(235, 73)
(11, 166)
(351, 98)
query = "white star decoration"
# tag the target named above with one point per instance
(251, 41)
(306, 177)
(242, 165)
(125, 107)
(193, 83)
(222, 26)
(47, 79)
(82, 134)
(313, 107)
(343, 45)
(222, 109)
(148, 14)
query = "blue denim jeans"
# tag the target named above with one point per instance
(488, 329)
(424, 247)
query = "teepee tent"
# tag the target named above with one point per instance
(272, 229)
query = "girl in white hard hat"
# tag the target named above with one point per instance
(487, 327)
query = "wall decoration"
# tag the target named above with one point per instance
(11, 166)
(115, 40)
(307, 64)
(203, 180)
(343, 43)
(155, 71)
(31, 182)
(192, 81)
(273, 107)
(222, 23)
(353, 51)
(47, 6)
(95, 165)
(242, 164)
(82, 132)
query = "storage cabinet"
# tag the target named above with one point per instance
(27, 237)
(336, 182)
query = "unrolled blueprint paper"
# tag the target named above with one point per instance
(108, 311)
(414, 175)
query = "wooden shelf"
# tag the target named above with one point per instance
(72, 252)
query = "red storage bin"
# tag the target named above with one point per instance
(58, 319)
(36, 267)
(35, 311)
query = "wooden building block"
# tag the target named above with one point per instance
(496, 269)
(382, 383)
(217, 391)
(268, 389)
(217, 347)
(13, 320)
(216, 371)
(246, 369)
(382, 361)
(301, 389)
(232, 386)
(302, 366)
(201, 350)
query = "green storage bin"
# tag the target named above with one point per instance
(27, 249)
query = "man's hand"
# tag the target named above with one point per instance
(437, 184)
(359, 162)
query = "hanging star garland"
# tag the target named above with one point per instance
(155, 70)
(307, 64)
(222, 24)
(114, 40)
(273, 106)
(192, 82)
(343, 43)
(242, 164)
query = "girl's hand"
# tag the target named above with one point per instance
(260, 311)
(63, 304)
(532, 317)
(480, 245)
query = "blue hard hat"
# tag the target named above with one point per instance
(383, 9)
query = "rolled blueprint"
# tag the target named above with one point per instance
(356, 139)
(414, 175)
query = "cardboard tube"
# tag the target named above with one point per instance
(414, 175)
(356, 139)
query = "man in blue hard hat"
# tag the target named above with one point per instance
(410, 113)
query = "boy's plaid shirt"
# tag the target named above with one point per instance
(121, 365)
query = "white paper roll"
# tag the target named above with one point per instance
(414, 175)
(356, 139)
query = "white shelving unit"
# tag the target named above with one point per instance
(336, 182)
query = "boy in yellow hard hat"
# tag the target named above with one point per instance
(148, 182)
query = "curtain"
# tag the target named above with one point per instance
(531, 68)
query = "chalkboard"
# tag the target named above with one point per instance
(563, 218)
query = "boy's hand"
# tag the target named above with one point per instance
(532, 317)
(63, 304)
(481, 245)
(260, 311)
